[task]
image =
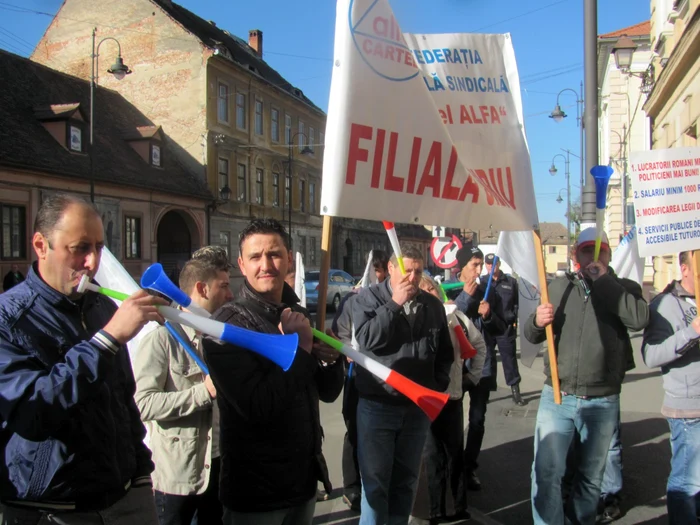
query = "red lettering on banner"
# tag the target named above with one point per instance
(355, 152)
(434, 164)
(413, 167)
(449, 191)
(378, 157)
(497, 182)
(470, 188)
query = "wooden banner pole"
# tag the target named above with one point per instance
(696, 275)
(323, 274)
(544, 293)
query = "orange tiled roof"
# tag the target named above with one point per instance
(640, 29)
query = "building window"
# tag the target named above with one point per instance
(223, 174)
(242, 183)
(302, 247)
(75, 138)
(132, 231)
(302, 196)
(275, 125)
(275, 189)
(225, 241)
(287, 189)
(258, 117)
(288, 128)
(13, 236)
(259, 187)
(321, 144)
(155, 155)
(552, 249)
(312, 138)
(300, 135)
(312, 197)
(312, 250)
(241, 120)
(222, 103)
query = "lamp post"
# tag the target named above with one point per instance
(119, 70)
(224, 197)
(623, 52)
(558, 115)
(306, 150)
(553, 172)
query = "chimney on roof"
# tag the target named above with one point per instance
(255, 40)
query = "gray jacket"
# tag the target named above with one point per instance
(591, 332)
(671, 343)
(417, 346)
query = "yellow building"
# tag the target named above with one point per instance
(674, 102)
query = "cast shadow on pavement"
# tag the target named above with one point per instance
(505, 474)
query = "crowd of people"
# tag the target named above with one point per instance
(233, 439)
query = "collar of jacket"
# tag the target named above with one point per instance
(53, 297)
(289, 298)
(386, 293)
(676, 289)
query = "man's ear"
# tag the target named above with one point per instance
(201, 288)
(240, 266)
(41, 245)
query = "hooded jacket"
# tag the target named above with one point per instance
(591, 332)
(671, 343)
(417, 346)
(270, 424)
(72, 437)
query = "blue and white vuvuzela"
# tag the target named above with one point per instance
(154, 278)
(601, 176)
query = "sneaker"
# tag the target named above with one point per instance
(473, 481)
(354, 501)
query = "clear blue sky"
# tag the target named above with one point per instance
(298, 42)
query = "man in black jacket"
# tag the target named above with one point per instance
(406, 330)
(271, 434)
(506, 287)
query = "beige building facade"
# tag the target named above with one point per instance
(674, 103)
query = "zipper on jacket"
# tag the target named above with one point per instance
(580, 341)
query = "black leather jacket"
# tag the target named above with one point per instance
(270, 425)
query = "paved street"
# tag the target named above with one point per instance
(507, 453)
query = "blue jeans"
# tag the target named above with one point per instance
(300, 515)
(591, 422)
(612, 479)
(684, 481)
(390, 441)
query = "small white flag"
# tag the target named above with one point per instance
(369, 277)
(626, 260)
(299, 280)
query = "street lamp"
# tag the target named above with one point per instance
(306, 150)
(558, 115)
(224, 197)
(559, 199)
(553, 172)
(119, 70)
(623, 52)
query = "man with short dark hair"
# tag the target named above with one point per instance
(591, 313)
(344, 330)
(178, 400)
(671, 341)
(72, 437)
(484, 313)
(270, 424)
(506, 287)
(406, 330)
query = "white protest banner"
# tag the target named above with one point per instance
(626, 260)
(666, 191)
(424, 129)
(299, 279)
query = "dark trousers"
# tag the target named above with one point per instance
(204, 508)
(478, 400)
(352, 483)
(506, 347)
(444, 463)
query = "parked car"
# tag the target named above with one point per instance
(339, 285)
